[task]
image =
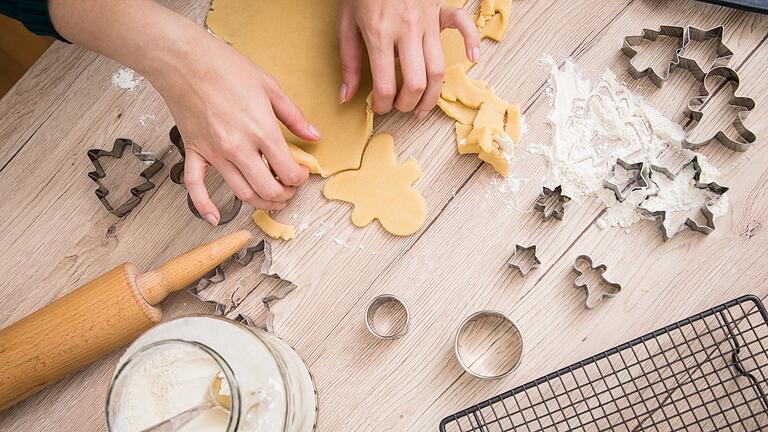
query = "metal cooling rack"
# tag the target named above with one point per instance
(704, 373)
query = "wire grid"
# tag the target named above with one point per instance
(704, 373)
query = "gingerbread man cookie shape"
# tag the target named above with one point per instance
(381, 189)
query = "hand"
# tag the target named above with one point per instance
(407, 28)
(227, 110)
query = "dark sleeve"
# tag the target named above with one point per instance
(33, 14)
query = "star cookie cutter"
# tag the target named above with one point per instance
(551, 203)
(641, 180)
(723, 53)
(630, 42)
(137, 192)
(177, 176)
(709, 224)
(524, 259)
(593, 297)
(694, 113)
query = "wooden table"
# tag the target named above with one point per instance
(56, 235)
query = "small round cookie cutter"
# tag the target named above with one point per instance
(387, 317)
(489, 345)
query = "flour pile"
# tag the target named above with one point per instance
(126, 79)
(593, 125)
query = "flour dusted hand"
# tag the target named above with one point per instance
(409, 29)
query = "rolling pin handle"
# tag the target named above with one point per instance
(187, 269)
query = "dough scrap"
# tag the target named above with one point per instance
(305, 159)
(492, 18)
(381, 189)
(296, 42)
(485, 124)
(271, 227)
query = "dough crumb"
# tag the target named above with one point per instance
(492, 18)
(271, 227)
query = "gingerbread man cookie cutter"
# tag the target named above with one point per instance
(641, 180)
(593, 297)
(138, 191)
(746, 104)
(709, 224)
(177, 176)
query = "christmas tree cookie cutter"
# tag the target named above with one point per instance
(177, 176)
(694, 113)
(630, 42)
(551, 203)
(138, 191)
(594, 296)
(641, 179)
(709, 219)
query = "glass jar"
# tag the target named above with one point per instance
(171, 368)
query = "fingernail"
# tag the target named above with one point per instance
(212, 219)
(343, 93)
(313, 131)
(475, 54)
(421, 114)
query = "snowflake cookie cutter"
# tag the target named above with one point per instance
(524, 259)
(694, 113)
(593, 297)
(640, 181)
(709, 220)
(242, 259)
(138, 191)
(723, 54)
(177, 176)
(630, 42)
(551, 203)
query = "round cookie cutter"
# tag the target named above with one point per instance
(489, 345)
(387, 317)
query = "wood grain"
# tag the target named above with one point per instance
(56, 235)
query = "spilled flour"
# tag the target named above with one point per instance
(595, 124)
(126, 79)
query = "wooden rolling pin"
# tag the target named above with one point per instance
(108, 312)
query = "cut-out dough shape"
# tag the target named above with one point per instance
(271, 227)
(296, 42)
(381, 189)
(493, 17)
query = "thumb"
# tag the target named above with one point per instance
(194, 181)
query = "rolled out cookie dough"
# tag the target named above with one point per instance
(296, 42)
(381, 189)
